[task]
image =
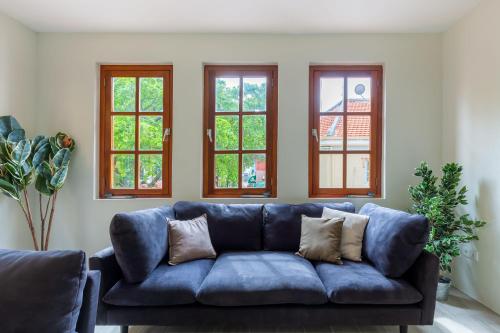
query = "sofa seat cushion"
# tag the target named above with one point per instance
(166, 285)
(361, 283)
(261, 278)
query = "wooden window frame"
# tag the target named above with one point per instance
(106, 73)
(376, 135)
(210, 73)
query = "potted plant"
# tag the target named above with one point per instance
(438, 199)
(42, 160)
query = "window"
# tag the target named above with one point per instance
(240, 124)
(135, 127)
(345, 126)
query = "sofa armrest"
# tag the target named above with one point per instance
(424, 275)
(88, 311)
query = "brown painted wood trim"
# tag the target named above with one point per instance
(210, 72)
(376, 120)
(105, 114)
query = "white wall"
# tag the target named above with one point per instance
(67, 84)
(471, 128)
(17, 97)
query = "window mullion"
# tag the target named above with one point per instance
(344, 124)
(240, 134)
(136, 153)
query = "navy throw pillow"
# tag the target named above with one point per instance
(140, 241)
(393, 239)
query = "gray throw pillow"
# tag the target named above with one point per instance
(189, 240)
(353, 230)
(320, 239)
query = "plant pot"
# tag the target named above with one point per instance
(443, 289)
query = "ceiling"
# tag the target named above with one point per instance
(238, 16)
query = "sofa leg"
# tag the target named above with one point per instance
(403, 329)
(123, 329)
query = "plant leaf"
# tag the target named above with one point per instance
(42, 186)
(41, 155)
(21, 152)
(7, 125)
(61, 159)
(16, 135)
(53, 145)
(9, 189)
(59, 178)
(44, 170)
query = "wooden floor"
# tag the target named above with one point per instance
(459, 314)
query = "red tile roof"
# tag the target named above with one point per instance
(358, 126)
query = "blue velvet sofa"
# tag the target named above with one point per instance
(256, 278)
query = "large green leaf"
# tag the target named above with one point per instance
(53, 145)
(61, 159)
(13, 171)
(41, 155)
(16, 135)
(59, 178)
(9, 189)
(42, 186)
(7, 125)
(21, 151)
(44, 170)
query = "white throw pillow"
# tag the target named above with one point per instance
(353, 230)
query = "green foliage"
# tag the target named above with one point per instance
(23, 160)
(438, 202)
(152, 94)
(124, 94)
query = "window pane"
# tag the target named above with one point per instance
(150, 176)
(124, 94)
(150, 132)
(227, 94)
(227, 130)
(151, 94)
(123, 169)
(359, 94)
(254, 132)
(330, 171)
(332, 94)
(253, 174)
(358, 171)
(226, 171)
(331, 132)
(123, 136)
(254, 93)
(358, 133)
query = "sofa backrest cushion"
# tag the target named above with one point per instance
(232, 227)
(140, 241)
(393, 239)
(41, 291)
(282, 223)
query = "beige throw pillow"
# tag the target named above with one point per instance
(353, 230)
(189, 240)
(320, 239)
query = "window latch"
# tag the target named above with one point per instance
(166, 134)
(209, 134)
(314, 133)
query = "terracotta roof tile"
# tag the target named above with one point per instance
(358, 126)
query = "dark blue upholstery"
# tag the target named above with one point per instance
(259, 278)
(166, 285)
(231, 227)
(282, 223)
(393, 239)
(88, 311)
(361, 283)
(140, 241)
(41, 291)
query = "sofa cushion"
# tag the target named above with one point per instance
(282, 223)
(361, 283)
(166, 285)
(393, 239)
(140, 241)
(231, 227)
(259, 278)
(41, 291)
